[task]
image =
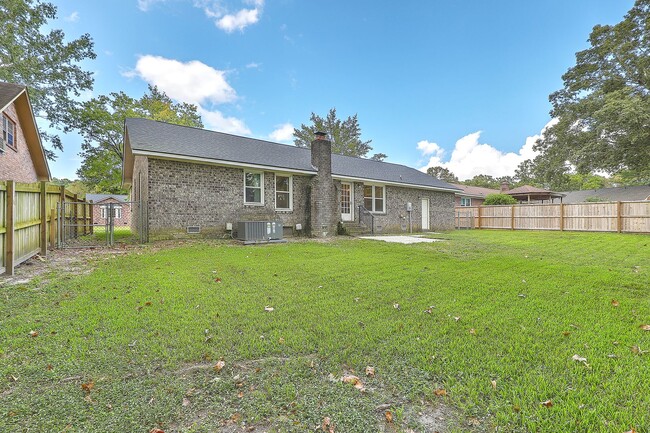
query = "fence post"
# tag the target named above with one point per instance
(52, 227)
(512, 217)
(619, 217)
(561, 217)
(479, 217)
(43, 218)
(9, 234)
(61, 216)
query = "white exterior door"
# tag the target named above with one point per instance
(425, 214)
(347, 199)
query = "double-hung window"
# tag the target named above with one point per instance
(465, 201)
(8, 132)
(374, 198)
(283, 194)
(253, 187)
(117, 211)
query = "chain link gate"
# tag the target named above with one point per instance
(93, 225)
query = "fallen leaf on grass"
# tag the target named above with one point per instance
(456, 318)
(49, 367)
(240, 394)
(88, 386)
(578, 358)
(396, 306)
(186, 401)
(370, 371)
(33, 334)
(389, 416)
(281, 340)
(148, 303)
(645, 327)
(636, 349)
(472, 331)
(156, 430)
(494, 384)
(632, 430)
(353, 380)
(217, 280)
(615, 303)
(566, 333)
(547, 403)
(327, 425)
(516, 408)
(440, 392)
(268, 309)
(219, 365)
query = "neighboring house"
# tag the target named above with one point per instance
(190, 178)
(475, 195)
(120, 208)
(531, 194)
(472, 195)
(623, 193)
(22, 158)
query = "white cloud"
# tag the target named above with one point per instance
(73, 17)
(193, 82)
(470, 157)
(253, 65)
(283, 133)
(144, 5)
(227, 21)
(215, 120)
(430, 148)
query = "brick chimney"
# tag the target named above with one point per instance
(324, 201)
(505, 187)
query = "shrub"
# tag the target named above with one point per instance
(495, 199)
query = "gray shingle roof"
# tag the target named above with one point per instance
(623, 193)
(8, 93)
(182, 141)
(96, 198)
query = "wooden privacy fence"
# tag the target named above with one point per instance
(622, 216)
(28, 220)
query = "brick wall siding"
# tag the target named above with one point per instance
(182, 194)
(396, 218)
(17, 164)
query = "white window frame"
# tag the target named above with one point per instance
(374, 186)
(284, 192)
(6, 120)
(465, 201)
(117, 211)
(261, 187)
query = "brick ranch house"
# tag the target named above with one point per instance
(121, 208)
(194, 177)
(22, 158)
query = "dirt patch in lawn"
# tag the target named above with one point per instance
(61, 262)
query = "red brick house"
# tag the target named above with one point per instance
(104, 203)
(22, 158)
(472, 195)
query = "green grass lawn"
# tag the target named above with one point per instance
(508, 311)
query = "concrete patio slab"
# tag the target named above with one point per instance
(401, 239)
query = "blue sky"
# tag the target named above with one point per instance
(463, 84)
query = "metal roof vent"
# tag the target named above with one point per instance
(194, 229)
